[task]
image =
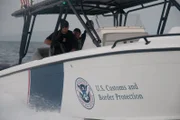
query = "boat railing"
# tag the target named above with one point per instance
(144, 38)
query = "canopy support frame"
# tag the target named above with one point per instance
(26, 35)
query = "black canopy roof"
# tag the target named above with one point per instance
(90, 7)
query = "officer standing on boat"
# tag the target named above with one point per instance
(80, 38)
(65, 41)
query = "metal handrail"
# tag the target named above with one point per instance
(144, 37)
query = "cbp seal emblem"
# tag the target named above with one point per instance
(84, 93)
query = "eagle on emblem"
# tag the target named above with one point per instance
(85, 95)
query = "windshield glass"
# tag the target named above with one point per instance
(132, 20)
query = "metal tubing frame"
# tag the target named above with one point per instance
(58, 22)
(65, 15)
(114, 18)
(175, 3)
(84, 25)
(27, 21)
(136, 9)
(144, 37)
(49, 6)
(52, 49)
(125, 19)
(92, 27)
(102, 8)
(97, 22)
(106, 15)
(30, 34)
(120, 19)
(164, 17)
(161, 19)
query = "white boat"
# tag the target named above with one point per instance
(130, 75)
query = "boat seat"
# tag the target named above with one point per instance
(110, 38)
(41, 53)
(111, 34)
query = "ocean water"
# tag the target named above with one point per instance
(9, 51)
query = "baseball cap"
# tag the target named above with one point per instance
(77, 30)
(64, 23)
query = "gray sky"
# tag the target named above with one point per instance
(10, 26)
(9, 23)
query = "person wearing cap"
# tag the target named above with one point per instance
(80, 38)
(64, 39)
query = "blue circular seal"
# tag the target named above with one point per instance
(84, 93)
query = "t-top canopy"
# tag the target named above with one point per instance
(90, 7)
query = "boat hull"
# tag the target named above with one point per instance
(133, 84)
(142, 84)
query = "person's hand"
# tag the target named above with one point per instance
(47, 42)
(84, 31)
(73, 50)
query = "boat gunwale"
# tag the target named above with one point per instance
(101, 54)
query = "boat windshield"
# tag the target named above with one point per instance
(102, 21)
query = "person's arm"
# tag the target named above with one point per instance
(73, 50)
(48, 40)
(74, 43)
(83, 37)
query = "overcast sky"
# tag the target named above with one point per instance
(10, 26)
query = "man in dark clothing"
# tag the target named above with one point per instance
(64, 41)
(80, 38)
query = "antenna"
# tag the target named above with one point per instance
(32, 2)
